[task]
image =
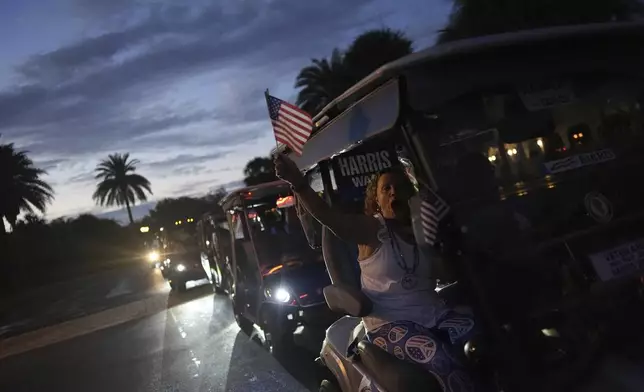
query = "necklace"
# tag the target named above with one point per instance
(409, 280)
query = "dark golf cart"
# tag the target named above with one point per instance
(534, 140)
(216, 254)
(182, 261)
(278, 278)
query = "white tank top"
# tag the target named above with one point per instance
(382, 278)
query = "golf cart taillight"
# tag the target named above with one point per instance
(284, 202)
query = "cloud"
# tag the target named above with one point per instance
(83, 178)
(176, 85)
(48, 164)
(186, 159)
(85, 96)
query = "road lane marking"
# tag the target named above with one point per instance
(82, 326)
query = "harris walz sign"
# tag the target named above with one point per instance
(354, 170)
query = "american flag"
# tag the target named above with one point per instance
(292, 125)
(432, 210)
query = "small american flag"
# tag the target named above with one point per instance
(292, 125)
(432, 210)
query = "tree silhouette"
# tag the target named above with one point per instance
(259, 170)
(22, 188)
(326, 79)
(471, 18)
(321, 82)
(119, 185)
(373, 49)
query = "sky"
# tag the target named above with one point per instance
(177, 84)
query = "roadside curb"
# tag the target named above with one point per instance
(82, 326)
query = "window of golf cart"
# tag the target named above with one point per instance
(562, 156)
(235, 218)
(278, 234)
(219, 237)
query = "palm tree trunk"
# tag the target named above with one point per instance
(129, 210)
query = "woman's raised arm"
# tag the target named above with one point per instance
(357, 228)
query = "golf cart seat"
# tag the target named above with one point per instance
(344, 296)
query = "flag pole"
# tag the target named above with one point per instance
(268, 106)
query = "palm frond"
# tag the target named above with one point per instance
(23, 189)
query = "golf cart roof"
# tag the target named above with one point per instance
(372, 105)
(254, 192)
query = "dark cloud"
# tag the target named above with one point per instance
(48, 164)
(82, 178)
(80, 94)
(191, 170)
(186, 160)
(91, 131)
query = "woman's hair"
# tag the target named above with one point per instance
(370, 198)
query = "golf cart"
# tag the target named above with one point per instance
(182, 262)
(214, 240)
(534, 140)
(277, 277)
(154, 253)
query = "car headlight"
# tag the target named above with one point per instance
(282, 295)
(181, 267)
(153, 256)
(279, 294)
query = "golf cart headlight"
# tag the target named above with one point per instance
(282, 295)
(153, 256)
(181, 267)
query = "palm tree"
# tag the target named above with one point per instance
(119, 185)
(470, 18)
(373, 49)
(321, 82)
(22, 188)
(325, 80)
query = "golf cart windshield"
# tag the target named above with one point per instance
(547, 163)
(278, 235)
(182, 241)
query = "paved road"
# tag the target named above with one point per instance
(76, 298)
(193, 346)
